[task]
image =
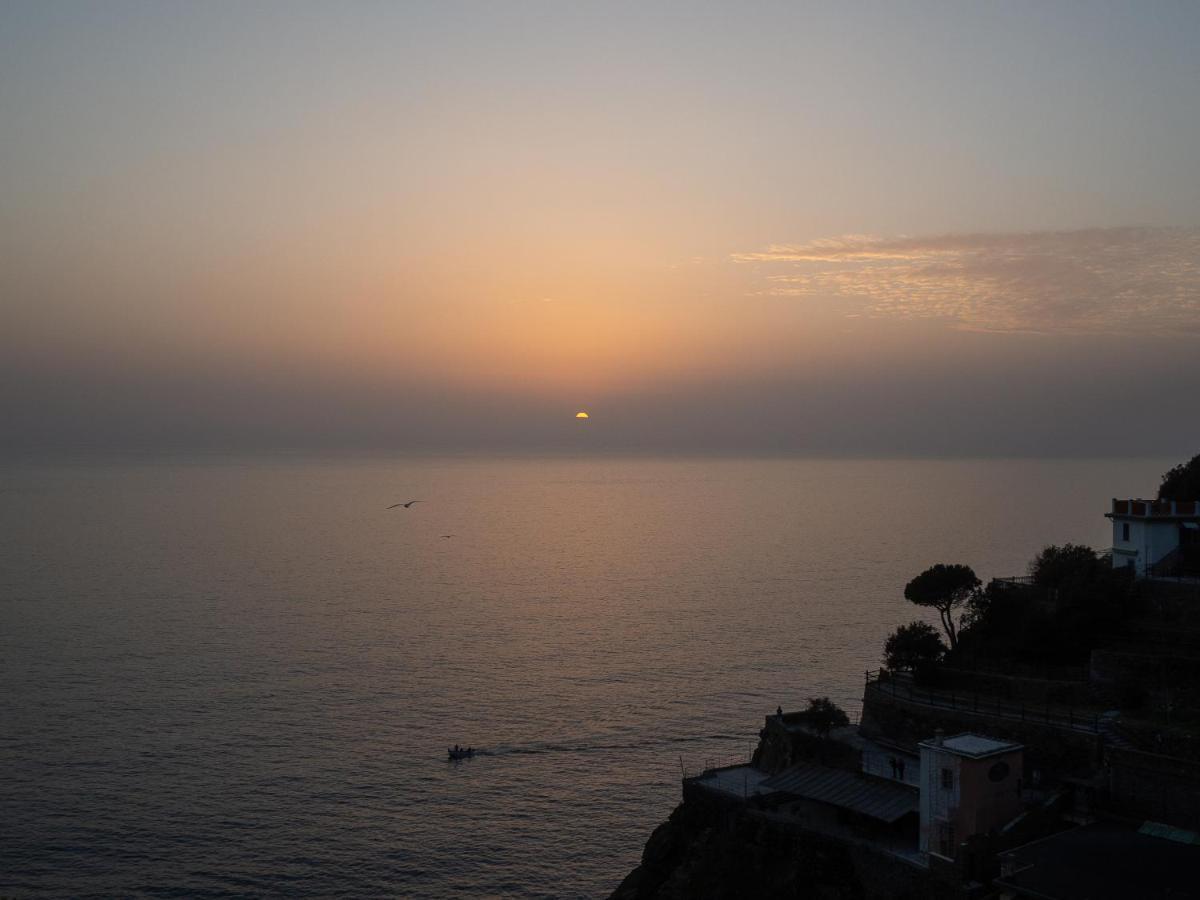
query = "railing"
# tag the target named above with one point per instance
(1016, 580)
(972, 664)
(1150, 508)
(1028, 587)
(889, 685)
(693, 768)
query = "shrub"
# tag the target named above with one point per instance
(823, 715)
(1056, 567)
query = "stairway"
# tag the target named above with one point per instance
(1111, 732)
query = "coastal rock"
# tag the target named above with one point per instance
(711, 852)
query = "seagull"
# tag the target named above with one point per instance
(405, 505)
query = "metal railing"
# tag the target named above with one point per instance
(889, 685)
(1016, 580)
(973, 664)
(695, 768)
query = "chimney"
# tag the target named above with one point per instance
(938, 734)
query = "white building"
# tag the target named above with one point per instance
(970, 784)
(1156, 536)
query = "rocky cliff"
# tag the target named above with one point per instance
(711, 851)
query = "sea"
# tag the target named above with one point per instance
(239, 675)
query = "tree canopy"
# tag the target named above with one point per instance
(823, 715)
(1076, 600)
(1182, 482)
(915, 647)
(944, 588)
(1055, 566)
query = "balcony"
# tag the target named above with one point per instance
(1156, 509)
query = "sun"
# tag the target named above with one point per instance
(582, 415)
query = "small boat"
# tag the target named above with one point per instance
(460, 752)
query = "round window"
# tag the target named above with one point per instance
(998, 772)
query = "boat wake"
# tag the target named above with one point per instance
(581, 748)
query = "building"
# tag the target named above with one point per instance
(1156, 537)
(884, 759)
(909, 805)
(970, 784)
(1104, 859)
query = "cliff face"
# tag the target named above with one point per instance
(709, 851)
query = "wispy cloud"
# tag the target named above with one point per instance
(1094, 280)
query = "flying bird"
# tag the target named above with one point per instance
(447, 535)
(405, 505)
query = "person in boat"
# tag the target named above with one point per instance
(456, 748)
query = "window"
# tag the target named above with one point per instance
(1124, 531)
(947, 779)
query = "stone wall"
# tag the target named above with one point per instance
(1049, 751)
(1162, 788)
(1153, 668)
(1034, 691)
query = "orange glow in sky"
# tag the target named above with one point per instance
(561, 202)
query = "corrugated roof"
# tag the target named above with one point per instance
(877, 799)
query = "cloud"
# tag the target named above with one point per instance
(1100, 280)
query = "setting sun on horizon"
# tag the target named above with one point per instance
(428, 243)
(891, 311)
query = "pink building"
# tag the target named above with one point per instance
(970, 784)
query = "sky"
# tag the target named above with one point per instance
(841, 229)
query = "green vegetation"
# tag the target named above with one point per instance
(1076, 597)
(916, 647)
(823, 715)
(946, 589)
(1182, 482)
(1058, 568)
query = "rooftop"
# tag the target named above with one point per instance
(975, 746)
(736, 781)
(1104, 859)
(1156, 509)
(882, 800)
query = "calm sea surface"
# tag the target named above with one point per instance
(239, 676)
